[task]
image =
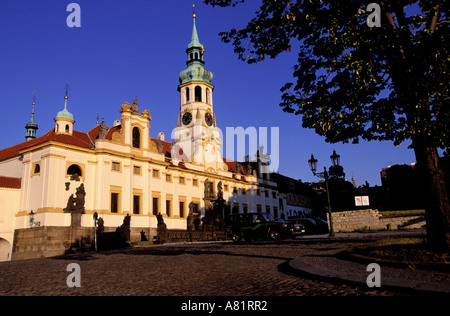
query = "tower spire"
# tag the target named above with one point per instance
(194, 38)
(195, 62)
(31, 126)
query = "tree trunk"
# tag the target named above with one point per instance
(437, 211)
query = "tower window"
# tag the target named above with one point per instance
(187, 95)
(67, 128)
(136, 138)
(198, 94)
(208, 96)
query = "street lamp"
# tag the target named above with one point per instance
(324, 175)
(335, 159)
(313, 164)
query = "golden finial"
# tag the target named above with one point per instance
(67, 91)
(193, 11)
(34, 98)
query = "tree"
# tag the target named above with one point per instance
(353, 81)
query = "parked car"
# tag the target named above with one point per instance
(311, 225)
(292, 228)
(252, 226)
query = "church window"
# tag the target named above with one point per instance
(169, 208)
(195, 182)
(187, 95)
(196, 55)
(37, 169)
(67, 128)
(115, 166)
(198, 94)
(155, 173)
(137, 170)
(182, 206)
(114, 202)
(74, 169)
(136, 138)
(155, 206)
(136, 204)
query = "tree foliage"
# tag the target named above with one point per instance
(353, 81)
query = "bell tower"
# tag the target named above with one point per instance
(196, 135)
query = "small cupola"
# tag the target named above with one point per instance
(31, 126)
(64, 120)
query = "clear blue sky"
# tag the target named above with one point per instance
(134, 48)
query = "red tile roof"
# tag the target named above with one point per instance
(11, 183)
(78, 139)
(87, 141)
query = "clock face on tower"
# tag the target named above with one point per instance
(187, 118)
(208, 119)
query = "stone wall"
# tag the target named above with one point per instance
(50, 241)
(47, 241)
(372, 220)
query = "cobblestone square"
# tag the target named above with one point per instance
(196, 269)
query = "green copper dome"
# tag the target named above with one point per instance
(195, 74)
(195, 70)
(64, 113)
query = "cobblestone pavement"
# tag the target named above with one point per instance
(200, 269)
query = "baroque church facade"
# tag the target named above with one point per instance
(123, 170)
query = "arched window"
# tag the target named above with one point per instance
(198, 94)
(187, 95)
(37, 169)
(67, 128)
(74, 169)
(136, 137)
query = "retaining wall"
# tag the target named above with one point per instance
(372, 220)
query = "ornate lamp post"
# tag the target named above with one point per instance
(324, 175)
(335, 159)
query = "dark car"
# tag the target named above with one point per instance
(292, 228)
(311, 225)
(252, 226)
